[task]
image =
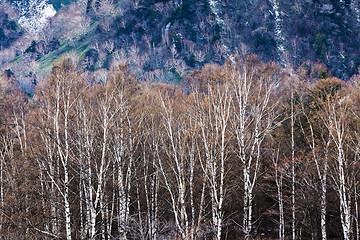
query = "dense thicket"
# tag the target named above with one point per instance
(240, 151)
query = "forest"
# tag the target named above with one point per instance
(165, 39)
(243, 150)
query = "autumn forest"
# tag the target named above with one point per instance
(243, 150)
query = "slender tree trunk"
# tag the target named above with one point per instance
(63, 156)
(66, 179)
(2, 164)
(67, 205)
(247, 221)
(279, 185)
(293, 207)
(151, 192)
(281, 213)
(122, 201)
(99, 196)
(323, 203)
(321, 168)
(336, 123)
(151, 188)
(252, 121)
(345, 207)
(356, 209)
(81, 204)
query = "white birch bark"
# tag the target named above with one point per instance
(85, 129)
(356, 209)
(125, 143)
(213, 117)
(60, 150)
(252, 121)
(293, 207)
(48, 169)
(150, 170)
(335, 121)
(5, 145)
(58, 102)
(151, 186)
(63, 154)
(321, 166)
(279, 176)
(174, 136)
(2, 163)
(323, 203)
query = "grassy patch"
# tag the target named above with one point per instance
(17, 59)
(58, 4)
(46, 62)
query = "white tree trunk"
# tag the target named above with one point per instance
(252, 121)
(356, 210)
(337, 127)
(279, 184)
(213, 123)
(293, 207)
(2, 181)
(321, 168)
(63, 156)
(345, 204)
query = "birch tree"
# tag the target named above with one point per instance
(174, 131)
(279, 177)
(85, 143)
(178, 161)
(150, 174)
(60, 93)
(11, 100)
(212, 103)
(252, 121)
(335, 118)
(151, 180)
(354, 102)
(318, 140)
(125, 139)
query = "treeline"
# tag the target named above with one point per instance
(238, 151)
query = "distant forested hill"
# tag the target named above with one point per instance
(165, 39)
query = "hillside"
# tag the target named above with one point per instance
(165, 39)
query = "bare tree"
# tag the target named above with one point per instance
(335, 115)
(253, 119)
(66, 87)
(280, 170)
(178, 145)
(319, 147)
(213, 107)
(126, 140)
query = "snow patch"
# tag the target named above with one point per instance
(215, 10)
(327, 9)
(280, 39)
(354, 6)
(35, 14)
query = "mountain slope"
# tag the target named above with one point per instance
(165, 39)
